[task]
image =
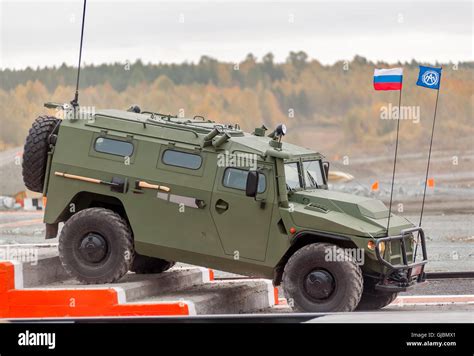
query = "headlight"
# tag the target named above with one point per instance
(371, 246)
(382, 247)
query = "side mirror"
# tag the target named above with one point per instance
(326, 170)
(251, 187)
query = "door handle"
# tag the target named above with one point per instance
(221, 206)
(201, 204)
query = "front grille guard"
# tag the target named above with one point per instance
(406, 233)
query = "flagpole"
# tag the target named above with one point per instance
(427, 170)
(395, 159)
(429, 158)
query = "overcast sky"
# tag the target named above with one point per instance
(38, 33)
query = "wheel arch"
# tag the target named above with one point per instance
(304, 238)
(84, 200)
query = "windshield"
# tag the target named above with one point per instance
(312, 176)
(313, 173)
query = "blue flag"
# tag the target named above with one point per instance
(429, 77)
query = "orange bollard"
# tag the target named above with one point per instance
(375, 186)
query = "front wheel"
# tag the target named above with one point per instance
(375, 301)
(314, 283)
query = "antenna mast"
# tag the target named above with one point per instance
(75, 101)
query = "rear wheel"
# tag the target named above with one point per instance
(35, 152)
(144, 265)
(95, 246)
(314, 284)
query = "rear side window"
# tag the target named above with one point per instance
(237, 179)
(113, 147)
(182, 159)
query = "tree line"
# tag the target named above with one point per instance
(300, 92)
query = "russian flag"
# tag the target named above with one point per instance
(388, 79)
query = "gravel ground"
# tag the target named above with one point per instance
(450, 238)
(443, 286)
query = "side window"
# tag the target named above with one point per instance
(113, 147)
(292, 176)
(182, 159)
(237, 179)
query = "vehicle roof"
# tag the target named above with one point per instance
(261, 145)
(239, 140)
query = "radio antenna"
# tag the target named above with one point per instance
(75, 101)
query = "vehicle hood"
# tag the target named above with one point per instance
(337, 212)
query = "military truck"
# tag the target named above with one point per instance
(140, 190)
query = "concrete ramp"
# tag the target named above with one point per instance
(46, 291)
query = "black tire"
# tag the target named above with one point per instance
(339, 290)
(113, 255)
(35, 152)
(370, 301)
(144, 265)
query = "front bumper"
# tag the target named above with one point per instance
(400, 277)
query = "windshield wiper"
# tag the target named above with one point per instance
(311, 178)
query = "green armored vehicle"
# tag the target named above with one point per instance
(140, 190)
